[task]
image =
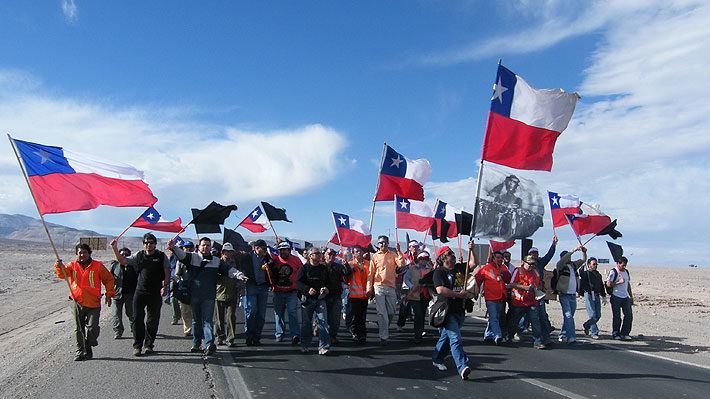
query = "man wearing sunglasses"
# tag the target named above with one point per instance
(153, 269)
(381, 284)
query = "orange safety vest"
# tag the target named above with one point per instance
(85, 280)
(358, 281)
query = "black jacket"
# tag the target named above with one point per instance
(590, 281)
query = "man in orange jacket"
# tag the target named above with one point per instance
(85, 278)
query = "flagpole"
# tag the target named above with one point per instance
(478, 192)
(573, 230)
(335, 224)
(586, 242)
(396, 239)
(129, 226)
(377, 187)
(46, 230)
(272, 229)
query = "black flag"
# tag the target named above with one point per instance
(307, 245)
(464, 220)
(610, 230)
(208, 220)
(434, 231)
(616, 251)
(236, 240)
(526, 245)
(273, 213)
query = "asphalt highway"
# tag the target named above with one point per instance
(586, 369)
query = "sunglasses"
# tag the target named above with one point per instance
(382, 243)
(148, 242)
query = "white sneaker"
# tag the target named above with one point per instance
(465, 372)
(516, 338)
(562, 339)
(626, 338)
(439, 366)
(323, 351)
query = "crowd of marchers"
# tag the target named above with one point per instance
(207, 288)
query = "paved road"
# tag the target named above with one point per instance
(582, 370)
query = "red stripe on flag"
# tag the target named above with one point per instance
(405, 188)
(58, 192)
(517, 145)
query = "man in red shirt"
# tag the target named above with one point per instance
(494, 276)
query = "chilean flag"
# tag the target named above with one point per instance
(334, 239)
(411, 214)
(351, 231)
(64, 181)
(561, 204)
(590, 220)
(402, 176)
(524, 122)
(500, 246)
(151, 220)
(256, 221)
(447, 214)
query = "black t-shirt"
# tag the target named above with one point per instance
(454, 280)
(150, 271)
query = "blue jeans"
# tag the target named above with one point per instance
(308, 308)
(286, 301)
(255, 311)
(202, 321)
(531, 313)
(493, 327)
(335, 306)
(617, 306)
(569, 306)
(450, 341)
(593, 303)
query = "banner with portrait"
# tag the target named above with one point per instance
(509, 207)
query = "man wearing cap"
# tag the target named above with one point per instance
(494, 276)
(283, 271)
(418, 297)
(524, 281)
(225, 310)
(450, 282)
(255, 265)
(203, 269)
(567, 283)
(381, 284)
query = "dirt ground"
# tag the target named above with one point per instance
(671, 314)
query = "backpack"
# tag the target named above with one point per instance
(438, 310)
(554, 280)
(610, 290)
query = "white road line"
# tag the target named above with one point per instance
(702, 366)
(552, 388)
(237, 387)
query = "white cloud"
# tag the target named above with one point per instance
(185, 163)
(638, 142)
(71, 13)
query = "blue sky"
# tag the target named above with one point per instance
(290, 102)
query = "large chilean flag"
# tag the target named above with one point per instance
(524, 122)
(64, 181)
(411, 214)
(402, 176)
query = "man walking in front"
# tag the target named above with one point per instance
(85, 278)
(125, 280)
(283, 273)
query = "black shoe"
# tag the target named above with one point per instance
(211, 349)
(295, 340)
(250, 342)
(79, 357)
(256, 342)
(499, 341)
(196, 349)
(334, 340)
(148, 350)
(361, 341)
(89, 353)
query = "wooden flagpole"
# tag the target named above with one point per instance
(129, 226)
(49, 236)
(377, 187)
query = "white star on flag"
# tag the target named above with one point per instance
(499, 90)
(255, 213)
(44, 155)
(150, 216)
(342, 220)
(403, 204)
(556, 201)
(397, 161)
